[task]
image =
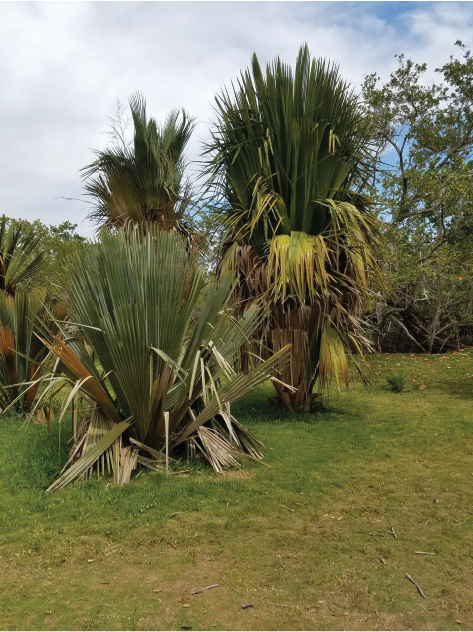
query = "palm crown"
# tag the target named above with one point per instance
(144, 182)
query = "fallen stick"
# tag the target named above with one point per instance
(288, 508)
(421, 592)
(393, 532)
(234, 589)
(424, 553)
(279, 605)
(196, 592)
(176, 513)
(247, 605)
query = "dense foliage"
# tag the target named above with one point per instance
(423, 133)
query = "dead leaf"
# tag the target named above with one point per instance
(458, 621)
(184, 599)
(158, 590)
(174, 546)
(90, 561)
(382, 560)
(422, 386)
(411, 380)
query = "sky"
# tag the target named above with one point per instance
(63, 65)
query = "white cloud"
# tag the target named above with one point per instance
(63, 65)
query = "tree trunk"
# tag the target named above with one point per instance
(296, 327)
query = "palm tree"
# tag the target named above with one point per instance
(19, 261)
(22, 309)
(134, 294)
(286, 162)
(144, 183)
(23, 356)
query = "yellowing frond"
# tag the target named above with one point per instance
(333, 361)
(297, 265)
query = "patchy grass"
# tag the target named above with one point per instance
(308, 541)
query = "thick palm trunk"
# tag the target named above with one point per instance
(296, 327)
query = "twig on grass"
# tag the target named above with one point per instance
(279, 605)
(424, 553)
(176, 513)
(196, 592)
(393, 532)
(234, 589)
(421, 592)
(288, 508)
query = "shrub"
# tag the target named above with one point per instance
(397, 382)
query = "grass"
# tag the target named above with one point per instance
(312, 533)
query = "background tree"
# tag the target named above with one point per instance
(424, 186)
(287, 162)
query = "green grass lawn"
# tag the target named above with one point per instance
(321, 539)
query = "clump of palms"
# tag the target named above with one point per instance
(134, 294)
(23, 355)
(144, 182)
(286, 163)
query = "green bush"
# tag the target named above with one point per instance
(397, 382)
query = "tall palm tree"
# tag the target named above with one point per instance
(286, 161)
(143, 183)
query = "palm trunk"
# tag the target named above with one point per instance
(296, 328)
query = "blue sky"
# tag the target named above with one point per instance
(63, 65)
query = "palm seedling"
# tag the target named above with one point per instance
(286, 162)
(162, 367)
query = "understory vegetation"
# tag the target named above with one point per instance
(321, 539)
